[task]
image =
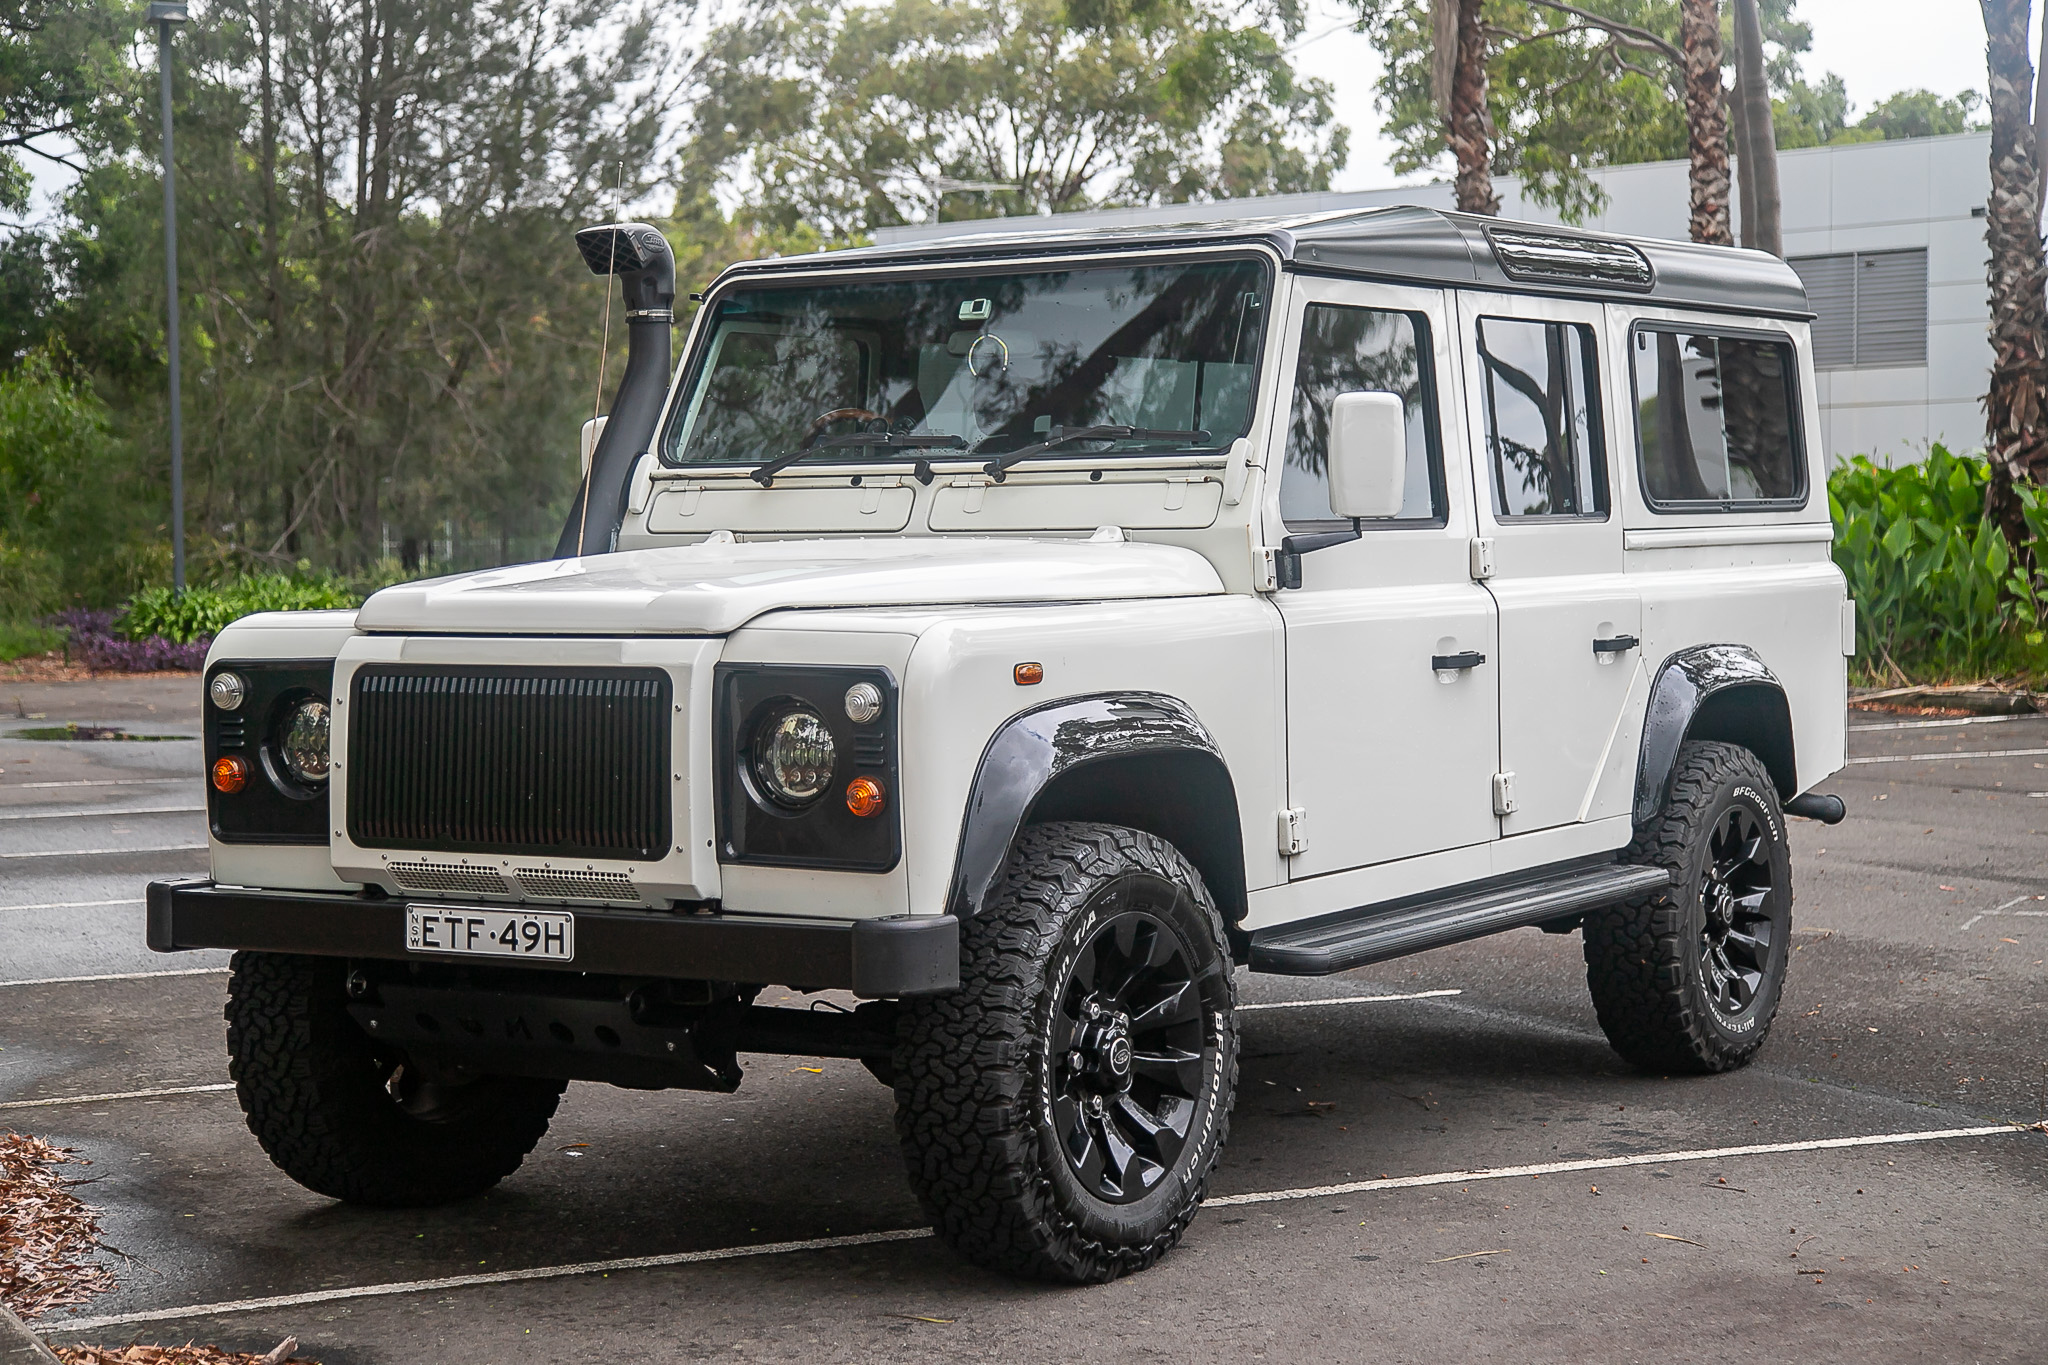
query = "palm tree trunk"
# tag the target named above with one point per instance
(2014, 439)
(1699, 33)
(1745, 173)
(1760, 144)
(1468, 128)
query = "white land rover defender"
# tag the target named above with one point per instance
(1022, 632)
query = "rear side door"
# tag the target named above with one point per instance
(1387, 756)
(1572, 682)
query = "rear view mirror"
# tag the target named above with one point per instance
(1368, 454)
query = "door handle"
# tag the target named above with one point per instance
(1620, 644)
(1456, 663)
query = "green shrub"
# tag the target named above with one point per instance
(202, 611)
(28, 581)
(19, 638)
(1938, 594)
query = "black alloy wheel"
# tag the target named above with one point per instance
(1126, 1050)
(1738, 932)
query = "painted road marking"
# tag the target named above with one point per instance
(1950, 757)
(99, 782)
(82, 812)
(1941, 724)
(556, 1272)
(117, 1095)
(115, 976)
(105, 852)
(1344, 1000)
(71, 905)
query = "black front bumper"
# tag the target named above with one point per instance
(876, 958)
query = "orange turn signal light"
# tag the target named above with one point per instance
(230, 774)
(1028, 675)
(865, 797)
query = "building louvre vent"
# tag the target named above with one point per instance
(1870, 308)
(1539, 258)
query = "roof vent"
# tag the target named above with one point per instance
(1539, 258)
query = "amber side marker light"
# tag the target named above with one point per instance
(865, 797)
(1028, 675)
(230, 774)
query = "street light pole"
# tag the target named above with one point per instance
(164, 15)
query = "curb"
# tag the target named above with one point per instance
(19, 1346)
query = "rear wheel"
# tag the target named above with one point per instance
(355, 1120)
(1061, 1113)
(1688, 979)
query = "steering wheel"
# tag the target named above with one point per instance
(823, 420)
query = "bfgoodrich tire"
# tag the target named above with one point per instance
(353, 1120)
(1061, 1113)
(1688, 979)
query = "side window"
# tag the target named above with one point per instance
(1543, 419)
(1714, 415)
(1360, 350)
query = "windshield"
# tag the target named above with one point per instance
(992, 363)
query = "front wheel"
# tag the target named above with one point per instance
(353, 1119)
(1061, 1113)
(1688, 978)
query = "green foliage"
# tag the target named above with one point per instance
(202, 611)
(844, 118)
(18, 638)
(1938, 592)
(28, 582)
(1922, 113)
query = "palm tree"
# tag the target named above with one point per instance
(2013, 405)
(1699, 34)
(1458, 73)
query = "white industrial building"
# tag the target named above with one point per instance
(1889, 237)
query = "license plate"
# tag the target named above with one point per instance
(543, 935)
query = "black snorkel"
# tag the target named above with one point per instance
(639, 255)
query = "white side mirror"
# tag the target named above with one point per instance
(592, 429)
(1368, 454)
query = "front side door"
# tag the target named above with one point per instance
(1570, 622)
(1388, 756)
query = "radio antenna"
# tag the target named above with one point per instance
(603, 352)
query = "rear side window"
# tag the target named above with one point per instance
(1360, 350)
(1714, 416)
(1543, 419)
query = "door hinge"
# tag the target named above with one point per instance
(1481, 550)
(1266, 568)
(1503, 793)
(1293, 831)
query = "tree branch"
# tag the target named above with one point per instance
(1641, 36)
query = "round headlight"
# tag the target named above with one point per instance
(227, 691)
(303, 743)
(794, 756)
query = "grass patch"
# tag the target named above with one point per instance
(19, 639)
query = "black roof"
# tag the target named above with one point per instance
(1403, 243)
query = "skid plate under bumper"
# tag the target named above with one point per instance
(876, 958)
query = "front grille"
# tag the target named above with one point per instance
(577, 886)
(569, 762)
(481, 881)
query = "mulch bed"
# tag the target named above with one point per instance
(188, 1354)
(53, 667)
(48, 1235)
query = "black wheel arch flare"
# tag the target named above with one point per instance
(1141, 759)
(1713, 692)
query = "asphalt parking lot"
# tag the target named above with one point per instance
(1432, 1159)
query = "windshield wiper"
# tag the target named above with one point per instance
(1060, 436)
(880, 440)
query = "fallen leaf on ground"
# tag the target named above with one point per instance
(1501, 1251)
(1674, 1237)
(47, 1234)
(919, 1317)
(188, 1354)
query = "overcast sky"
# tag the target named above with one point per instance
(1878, 47)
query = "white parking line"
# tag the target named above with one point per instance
(556, 1272)
(1950, 757)
(1344, 1000)
(71, 905)
(1942, 724)
(114, 976)
(116, 1095)
(98, 782)
(80, 812)
(103, 852)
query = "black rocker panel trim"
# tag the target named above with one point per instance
(1723, 692)
(752, 829)
(273, 808)
(1141, 759)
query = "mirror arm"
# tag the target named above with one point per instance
(1287, 564)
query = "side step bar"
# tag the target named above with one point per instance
(1375, 933)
